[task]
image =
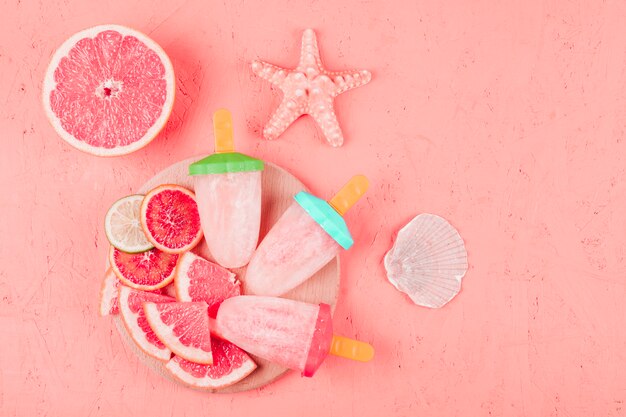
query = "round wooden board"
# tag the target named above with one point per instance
(279, 187)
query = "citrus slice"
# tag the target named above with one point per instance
(170, 219)
(131, 309)
(109, 293)
(123, 227)
(197, 279)
(183, 328)
(170, 289)
(109, 90)
(230, 365)
(146, 271)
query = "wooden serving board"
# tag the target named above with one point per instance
(279, 187)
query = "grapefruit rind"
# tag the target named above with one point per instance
(49, 85)
(207, 382)
(109, 293)
(144, 208)
(120, 244)
(136, 286)
(129, 318)
(170, 289)
(166, 334)
(182, 282)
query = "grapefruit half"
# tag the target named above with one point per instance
(131, 309)
(183, 328)
(109, 90)
(146, 271)
(230, 365)
(169, 216)
(197, 279)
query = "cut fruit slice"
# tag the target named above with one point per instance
(109, 293)
(170, 218)
(183, 328)
(230, 365)
(109, 90)
(131, 309)
(197, 279)
(123, 226)
(146, 271)
(170, 289)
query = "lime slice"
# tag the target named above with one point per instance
(122, 225)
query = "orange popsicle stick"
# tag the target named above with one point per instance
(351, 349)
(223, 131)
(349, 194)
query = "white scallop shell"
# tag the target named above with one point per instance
(427, 261)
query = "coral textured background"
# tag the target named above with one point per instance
(507, 118)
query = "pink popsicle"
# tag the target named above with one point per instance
(307, 236)
(290, 333)
(228, 191)
(230, 213)
(295, 249)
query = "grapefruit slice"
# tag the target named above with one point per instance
(170, 289)
(123, 227)
(170, 218)
(109, 293)
(197, 279)
(109, 90)
(146, 271)
(183, 328)
(230, 365)
(131, 309)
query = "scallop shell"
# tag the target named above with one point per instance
(427, 261)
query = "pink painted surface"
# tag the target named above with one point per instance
(507, 119)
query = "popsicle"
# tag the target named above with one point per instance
(228, 191)
(290, 333)
(308, 235)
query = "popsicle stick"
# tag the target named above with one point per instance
(349, 194)
(351, 349)
(223, 131)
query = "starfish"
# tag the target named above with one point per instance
(308, 89)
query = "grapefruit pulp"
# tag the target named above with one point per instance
(146, 271)
(131, 309)
(170, 218)
(109, 90)
(197, 279)
(230, 365)
(183, 328)
(109, 293)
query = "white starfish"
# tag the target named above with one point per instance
(308, 89)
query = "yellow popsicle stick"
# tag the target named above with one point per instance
(351, 349)
(349, 194)
(223, 131)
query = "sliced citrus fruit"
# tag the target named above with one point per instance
(123, 226)
(170, 218)
(109, 90)
(170, 289)
(146, 271)
(109, 293)
(183, 328)
(230, 365)
(131, 309)
(197, 279)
